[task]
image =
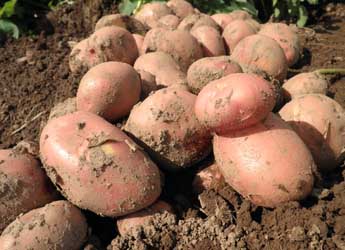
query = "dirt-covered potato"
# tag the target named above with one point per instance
(181, 8)
(58, 225)
(162, 66)
(286, 38)
(106, 44)
(320, 122)
(179, 44)
(139, 41)
(165, 124)
(208, 178)
(261, 55)
(267, 163)
(98, 167)
(209, 69)
(170, 22)
(150, 13)
(109, 90)
(196, 20)
(23, 184)
(210, 40)
(235, 32)
(222, 19)
(128, 223)
(305, 83)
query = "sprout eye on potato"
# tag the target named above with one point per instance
(58, 225)
(96, 166)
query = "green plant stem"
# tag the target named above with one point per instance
(331, 71)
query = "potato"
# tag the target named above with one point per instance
(162, 66)
(150, 13)
(139, 41)
(235, 32)
(196, 20)
(320, 122)
(208, 178)
(222, 19)
(261, 55)
(251, 162)
(305, 83)
(23, 184)
(170, 22)
(98, 167)
(208, 69)
(109, 90)
(58, 225)
(181, 8)
(255, 24)
(148, 83)
(234, 102)
(165, 124)
(211, 41)
(127, 22)
(106, 44)
(286, 38)
(127, 224)
(179, 44)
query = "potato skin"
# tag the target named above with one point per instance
(235, 32)
(320, 122)
(262, 55)
(211, 41)
(23, 185)
(303, 84)
(170, 22)
(58, 225)
(109, 90)
(286, 38)
(162, 66)
(234, 102)
(99, 167)
(196, 20)
(222, 19)
(251, 162)
(208, 69)
(128, 223)
(106, 44)
(139, 41)
(166, 125)
(208, 178)
(179, 44)
(181, 8)
(150, 13)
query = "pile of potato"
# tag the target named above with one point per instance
(184, 84)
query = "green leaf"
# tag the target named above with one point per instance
(303, 16)
(8, 9)
(8, 27)
(274, 2)
(128, 6)
(313, 2)
(276, 12)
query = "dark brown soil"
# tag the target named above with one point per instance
(34, 76)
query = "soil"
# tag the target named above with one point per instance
(34, 76)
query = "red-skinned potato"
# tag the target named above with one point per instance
(286, 38)
(261, 55)
(127, 22)
(251, 162)
(170, 22)
(208, 69)
(162, 66)
(139, 41)
(255, 24)
(196, 20)
(127, 224)
(58, 225)
(208, 178)
(179, 44)
(106, 44)
(210, 39)
(222, 19)
(165, 124)
(181, 8)
(234, 102)
(23, 184)
(109, 90)
(240, 15)
(320, 122)
(150, 13)
(305, 83)
(98, 167)
(235, 32)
